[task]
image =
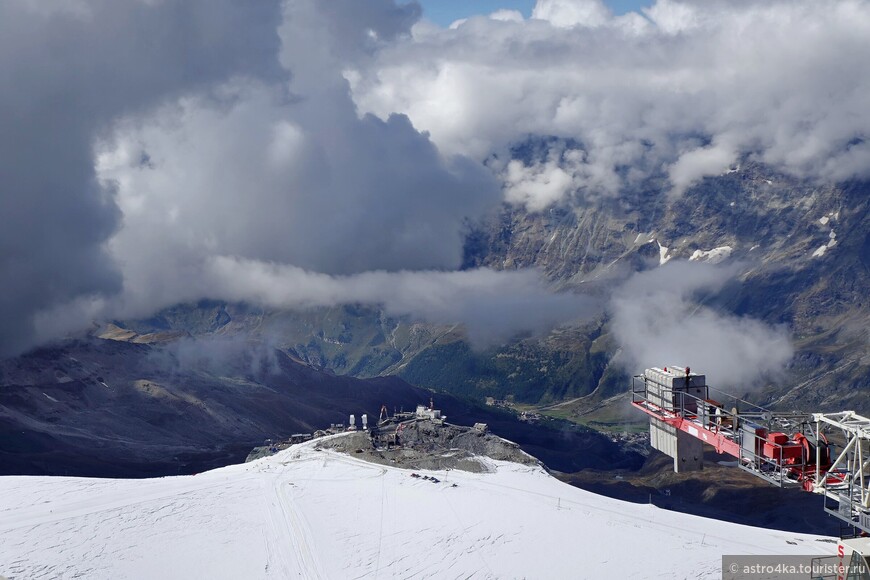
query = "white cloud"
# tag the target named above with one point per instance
(564, 172)
(541, 184)
(507, 15)
(683, 89)
(697, 163)
(570, 13)
(263, 178)
(658, 323)
(674, 17)
(494, 306)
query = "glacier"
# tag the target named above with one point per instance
(311, 513)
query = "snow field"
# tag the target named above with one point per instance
(305, 513)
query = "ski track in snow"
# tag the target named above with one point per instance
(304, 513)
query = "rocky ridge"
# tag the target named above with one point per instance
(433, 446)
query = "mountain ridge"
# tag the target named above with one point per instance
(798, 252)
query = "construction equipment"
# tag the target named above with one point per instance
(788, 449)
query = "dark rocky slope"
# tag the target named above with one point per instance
(113, 408)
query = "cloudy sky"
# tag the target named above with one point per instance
(327, 151)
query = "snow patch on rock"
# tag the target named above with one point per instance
(714, 256)
(832, 241)
(664, 258)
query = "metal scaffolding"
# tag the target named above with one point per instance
(845, 484)
(788, 449)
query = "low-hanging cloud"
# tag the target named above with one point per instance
(685, 89)
(219, 355)
(493, 306)
(657, 322)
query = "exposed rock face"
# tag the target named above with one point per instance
(803, 251)
(426, 445)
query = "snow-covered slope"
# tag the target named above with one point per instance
(305, 513)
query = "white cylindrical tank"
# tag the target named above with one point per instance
(352, 421)
(365, 421)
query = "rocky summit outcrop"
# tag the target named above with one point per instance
(429, 445)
